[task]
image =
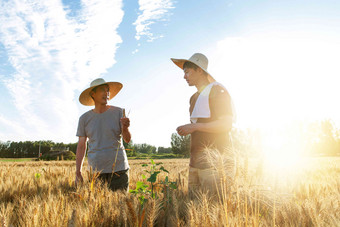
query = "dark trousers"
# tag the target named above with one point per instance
(116, 181)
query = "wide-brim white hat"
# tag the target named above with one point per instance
(198, 59)
(85, 97)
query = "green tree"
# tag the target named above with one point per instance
(130, 149)
(328, 143)
(145, 148)
(4, 149)
(321, 138)
(180, 144)
(72, 147)
(164, 150)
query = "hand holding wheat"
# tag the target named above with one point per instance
(125, 124)
(125, 121)
(79, 179)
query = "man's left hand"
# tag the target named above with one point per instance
(125, 122)
(186, 129)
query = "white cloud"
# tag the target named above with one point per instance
(151, 12)
(55, 55)
(16, 129)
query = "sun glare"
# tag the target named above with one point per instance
(280, 152)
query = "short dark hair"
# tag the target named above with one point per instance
(189, 65)
(94, 89)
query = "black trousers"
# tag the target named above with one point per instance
(116, 181)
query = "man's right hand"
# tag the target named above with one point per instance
(79, 179)
(186, 129)
(81, 148)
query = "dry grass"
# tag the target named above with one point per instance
(307, 196)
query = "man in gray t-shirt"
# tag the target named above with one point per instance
(104, 126)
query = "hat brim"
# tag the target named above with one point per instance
(86, 99)
(180, 64)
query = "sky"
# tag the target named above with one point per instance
(279, 60)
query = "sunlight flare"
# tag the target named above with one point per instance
(280, 152)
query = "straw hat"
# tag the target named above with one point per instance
(198, 59)
(85, 97)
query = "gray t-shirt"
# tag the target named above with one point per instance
(106, 152)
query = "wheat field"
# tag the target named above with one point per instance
(43, 194)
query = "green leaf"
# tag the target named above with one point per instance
(152, 162)
(143, 176)
(144, 165)
(173, 185)
(162, 168)
(141, 199)
(140, 185)
(153, 177)
(37, 175)
(133, 191)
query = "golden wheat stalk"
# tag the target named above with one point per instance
(141, 218)
(132, 212)
(114, 163)
(3, 220)
(151, 213)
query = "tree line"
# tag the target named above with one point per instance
(31, 149)
(318, 138)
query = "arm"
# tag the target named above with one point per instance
(81, 148)
(125, 122)
(221, 107)
(223, 124)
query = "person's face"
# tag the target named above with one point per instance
(101, 94)
(192, 76)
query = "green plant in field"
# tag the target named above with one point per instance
(144, 190)
(37, 175)
(141, 190)
(167, 187)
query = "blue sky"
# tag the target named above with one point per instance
(278, 59)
